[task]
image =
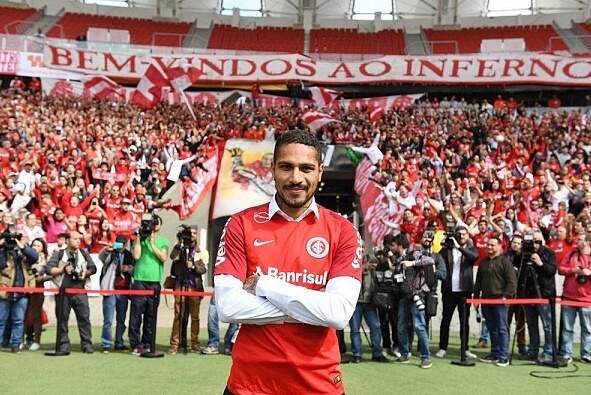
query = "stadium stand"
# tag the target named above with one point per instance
(351, 41)
(467, 40)
(8, 15)
(142, 31)
(262, 38)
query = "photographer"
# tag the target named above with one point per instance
(150, 251)
(71, 268)
(116, 274)
(515, 310)
(422, 268)
(365, 309)
(387, 295)
(188, 266)
(536, 279)
(459, 256)
(576, 267)
(16, 260)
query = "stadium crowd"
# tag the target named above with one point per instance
(84, 172)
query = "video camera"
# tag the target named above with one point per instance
(147, 227)
(450, 233)
(184, 235)
(10, 239)
(528, 247)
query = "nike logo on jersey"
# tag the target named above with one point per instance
(259, 243)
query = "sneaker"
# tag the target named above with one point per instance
(196, 350)
(105, 350)
(356, 359)
(173, 350)
(469, 354)
(530, 357)
(522, 351)
(138, 350)
(482, 344)
(228, 351)
(489, 359)
(381, 359)
(426, 363)
(441, 354)
(15, 350)
(565, 360)
(403, 359)
(34, 347)
(87, 350)
(586, 358)
(396, 352)
(502, 363)
(209, 350)
(544, 358)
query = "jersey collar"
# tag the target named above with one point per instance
(274, 209)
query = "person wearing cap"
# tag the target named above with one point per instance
(187, 270)
(116, 274)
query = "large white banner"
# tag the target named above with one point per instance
(511, 68)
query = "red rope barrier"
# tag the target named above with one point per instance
(185, 293)
(573, 303)
(79, 291)
(506, 301)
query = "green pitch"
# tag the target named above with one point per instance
(122, 373)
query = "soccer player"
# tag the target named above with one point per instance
(290, 272)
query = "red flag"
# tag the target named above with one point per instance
(324, 97)
(183, 76)
(100, 87)
(193, 193)
(376, 114)
(149, 90)
(403, 101)
(315, 120)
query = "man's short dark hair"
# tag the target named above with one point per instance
(298, 137)
(401, 239)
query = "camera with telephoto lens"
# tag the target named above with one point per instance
(147, 227)
(416, 298)
(76, 273)
(527, 247)
(582, 279)
(450, 233)
(184, 235)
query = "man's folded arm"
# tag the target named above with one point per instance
(332, 307)
(235, 305)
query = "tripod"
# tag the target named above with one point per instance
(183, 313)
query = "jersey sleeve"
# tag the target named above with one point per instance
(231, 255)
(348, 257)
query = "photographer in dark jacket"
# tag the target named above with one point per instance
(16, 260)
(515, 310)
(386, 297)
(365, 309)
(459, 256)
(188, 266)
(71, 268)
(537, 280)
(116, 274)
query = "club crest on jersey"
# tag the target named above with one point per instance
(261, 217)
(317, 247)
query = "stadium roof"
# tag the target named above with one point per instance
(365, 9)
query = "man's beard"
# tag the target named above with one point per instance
(291, 203)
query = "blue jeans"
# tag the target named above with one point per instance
(569, 315)
(213, 328)
(14, 309)
(496, 321)
(112, 304)
(370, 313)
(406, 309)
(484, 333)
(533, 314)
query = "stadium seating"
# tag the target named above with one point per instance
(351, 41)
(141, 30)
(537, 38)
(262, 38)
(9, 15)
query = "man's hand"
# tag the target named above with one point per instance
(69, 269)
(250, 285)
(456, 244)
(126, 268)
(586, 272)
(537, 260)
